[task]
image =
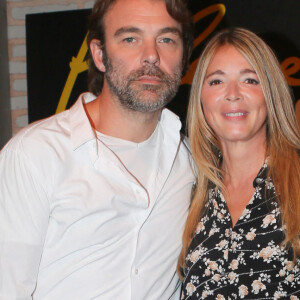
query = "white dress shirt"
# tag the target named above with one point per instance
(76, 223)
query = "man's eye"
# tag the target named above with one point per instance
(167, 41)
(129, 40)
(215, 82)
(252, 81)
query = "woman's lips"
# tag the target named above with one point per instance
(237, 115)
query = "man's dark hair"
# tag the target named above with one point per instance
(177, 9)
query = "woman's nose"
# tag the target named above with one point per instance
(233, 92)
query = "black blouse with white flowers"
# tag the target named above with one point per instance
(246, 261)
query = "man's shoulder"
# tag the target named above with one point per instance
(40, 133)
(40, 149)
(69, 128)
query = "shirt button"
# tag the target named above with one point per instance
(136, 271)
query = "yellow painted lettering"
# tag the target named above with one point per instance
(291, 66)
(220, 9)
(77, 65)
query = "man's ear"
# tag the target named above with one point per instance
(97, 54)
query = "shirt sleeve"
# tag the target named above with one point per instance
(24, 215)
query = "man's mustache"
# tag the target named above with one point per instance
(149, 71)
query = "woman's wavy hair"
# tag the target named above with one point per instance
(283, 138)
(177, 9)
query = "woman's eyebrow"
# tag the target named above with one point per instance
(217, 72)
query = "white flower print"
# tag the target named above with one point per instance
(213, 265)
(216, 277)
(212, 194)
(234, 264)
(233, 235)
(250, 236)
(269, 219)
(223, 211)
(232, 276)
(267, 252)
(269, 184)
(212, 232)
(246, 214)
(227, 232)
(243, 291)
(234, 245)
(257, 193)
(282, 273)
(265, 277)
(190, 288)
(200, 227)
(222, 244)
(220, 216)
(226, 254)
(255, 255)
(216, 206)
(194, 256)
(277, 295)
(257, 285)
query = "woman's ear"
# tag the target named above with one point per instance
(97, 53)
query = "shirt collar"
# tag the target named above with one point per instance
(82, 132)
(80, 128)
(170, 122)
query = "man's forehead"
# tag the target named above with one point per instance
(139, 13)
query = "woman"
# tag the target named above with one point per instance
(241, 239)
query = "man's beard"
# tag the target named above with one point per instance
(138, 96)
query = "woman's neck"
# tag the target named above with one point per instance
(242, 162)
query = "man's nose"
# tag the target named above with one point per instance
(233, 92)
(150, 53)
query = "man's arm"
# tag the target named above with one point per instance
(24, 214)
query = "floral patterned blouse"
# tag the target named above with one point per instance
(246, 261)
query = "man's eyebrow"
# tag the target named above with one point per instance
(132, 29)
(173, 30)
(128, 29)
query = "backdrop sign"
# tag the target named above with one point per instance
(56, 48)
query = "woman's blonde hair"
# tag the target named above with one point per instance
(283, 138)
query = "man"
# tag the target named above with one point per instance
(93, 201)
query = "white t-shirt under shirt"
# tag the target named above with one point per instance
(139, 158)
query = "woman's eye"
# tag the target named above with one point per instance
(252, 81)
(215, 82)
